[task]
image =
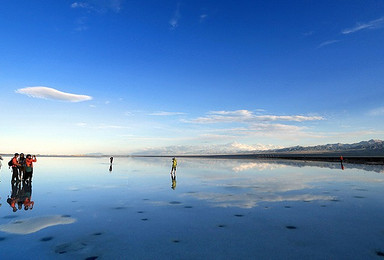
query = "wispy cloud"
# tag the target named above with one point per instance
(248, 116)
(165, 113)
(374, 24)
(101, 126)
(308, 33)
(327, 43)
(79, 5)
(53, 94)
(174, 22)
(81, 24)
(203, 17)
(229, 148)
(377, 112)
(99, 6)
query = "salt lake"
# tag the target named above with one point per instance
(216, 209)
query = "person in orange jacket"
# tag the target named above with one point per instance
(29, 166)
(15, 168)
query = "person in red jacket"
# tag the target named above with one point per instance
(29, 167)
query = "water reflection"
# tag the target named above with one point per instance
(32, 225)
(21, 195)
(173, 179)
(239, 165)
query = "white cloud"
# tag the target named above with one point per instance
(50, 93)
(288, 118)
(79, 5)
(99, 6)
(165, 113)
(102, 126)
(327, 43)
(229, 148)
(377, 112)
(374, 24)
(174, 22)
(112, 127)
(248, 116)
(260, 166)
(81, 124)
(203, 17)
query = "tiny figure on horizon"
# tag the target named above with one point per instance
(1, 158)
(341, 162)
(111, 159)
(14, 163)
(110, 168)
(173, 169)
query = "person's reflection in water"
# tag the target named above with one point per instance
(173, 183)
(21, 195)
(110, 165)
(341, 162)
(27, 194)
(13, 200)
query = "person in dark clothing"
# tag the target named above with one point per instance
(22, 166)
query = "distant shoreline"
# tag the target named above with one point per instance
(372, 160)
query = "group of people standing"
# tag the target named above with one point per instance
(22, 167)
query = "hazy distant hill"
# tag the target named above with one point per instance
(364, 148)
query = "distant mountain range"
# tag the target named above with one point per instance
(364, 148)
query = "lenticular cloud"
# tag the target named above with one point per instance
(50, 93)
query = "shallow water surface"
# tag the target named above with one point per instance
(216, 209)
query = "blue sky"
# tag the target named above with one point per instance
(124, 77)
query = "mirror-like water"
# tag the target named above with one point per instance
(215, 209)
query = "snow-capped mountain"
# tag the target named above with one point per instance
(366, 147)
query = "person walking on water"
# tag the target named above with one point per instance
(173, 170)
(15, 168)
(29, 166)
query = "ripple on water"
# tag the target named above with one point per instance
(175, 202)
